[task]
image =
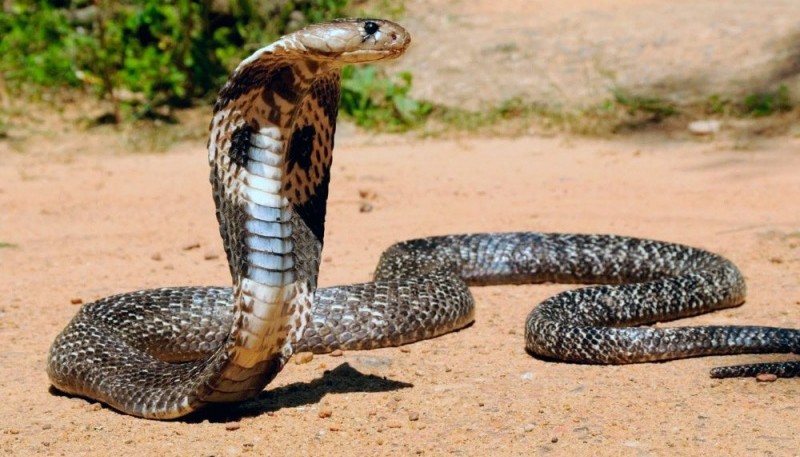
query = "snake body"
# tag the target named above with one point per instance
(164, 353)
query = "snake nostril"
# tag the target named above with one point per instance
(394, 36)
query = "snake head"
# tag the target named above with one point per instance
(354, 40)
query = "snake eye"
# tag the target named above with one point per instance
(371, 27)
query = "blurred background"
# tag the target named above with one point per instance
(495, 67)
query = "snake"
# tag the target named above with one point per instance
(167, 352)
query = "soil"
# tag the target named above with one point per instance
(82, 218)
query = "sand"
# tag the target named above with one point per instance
(87, 224)
(82, 217)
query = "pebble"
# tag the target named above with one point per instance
(413, 416)
(367, 194)
(527, 376)
(394, 425)
(325, 413)
(210, 255)
(365, 207)
(336, 353)
(191, 246)
(76, 301)
(231, 426)
(157, 257)
(405, 349)
(767, 377)
(554, 439)
(705, 127)
(528, 427)
(303, 357)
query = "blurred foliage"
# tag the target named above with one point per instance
(147, 55)
(374, 100)
(768, 103)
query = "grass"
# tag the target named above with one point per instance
(7, 245)
(771, 112)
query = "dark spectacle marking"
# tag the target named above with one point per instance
(312, 211)
(300, 148)
(240, 143)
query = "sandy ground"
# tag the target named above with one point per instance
(574, 53)
(82, 217)
(86, 224)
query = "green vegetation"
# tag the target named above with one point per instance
(373, 100)
(768, 103)
(148, 56)
(145, 58)
(7, 245)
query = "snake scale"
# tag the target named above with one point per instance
(164, 353)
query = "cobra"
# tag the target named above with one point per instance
(164, 353)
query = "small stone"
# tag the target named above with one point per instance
(767, 377)
(325, 413)
(365, 207)
(157, 257)
(405, 349)
(76, 301)
(13, 431)
(394, 425)
(210, 255)
(191, 246)
(706, 127)
(776, 260)
(303, 358)
(367, 194)
(447, 369)
(334, 428)
(554, 439)
(527, 376)
(336, 353)
(413, 416)
(231, 426)
(379, 441)
(528, 427)
(47, 426)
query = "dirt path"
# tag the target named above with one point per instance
(573, 53)
(86, 224)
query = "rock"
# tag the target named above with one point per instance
(413, 416)
(191, 246)
(325, 413)
(527, 376)
(303, 357)
(231, 426)
(76, 301)
(767, 377)
(708, 127)
(365, 207)
(528, 427)
(157, 257)
(336, 353)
